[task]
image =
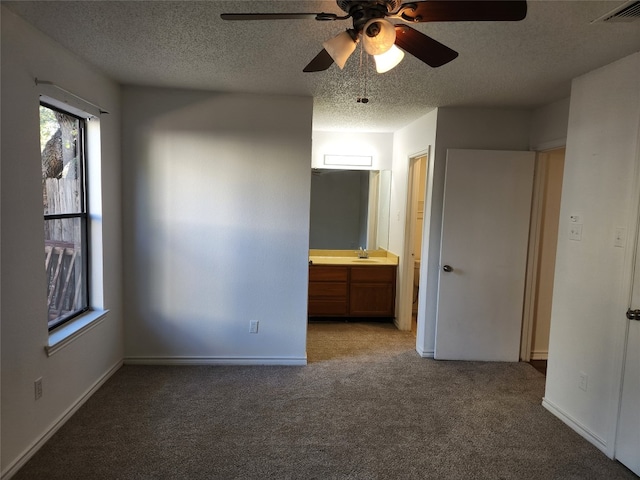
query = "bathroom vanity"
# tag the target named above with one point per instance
(347, 286)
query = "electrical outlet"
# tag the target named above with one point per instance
(253, 326)
(582, 381)
(575, 219)
(37, 386)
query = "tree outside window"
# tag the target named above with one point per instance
(62, 142)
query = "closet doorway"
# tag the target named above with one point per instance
(415, 226)
(543, 240)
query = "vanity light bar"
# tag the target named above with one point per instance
(349, 160)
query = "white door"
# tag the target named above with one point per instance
(485, 228)
(628, 437)
(628, 434)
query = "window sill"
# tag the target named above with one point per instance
(60, 338)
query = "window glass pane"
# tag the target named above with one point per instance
(61, 163)
(65, 239)
(64, 265)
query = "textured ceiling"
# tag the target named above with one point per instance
(185, 44)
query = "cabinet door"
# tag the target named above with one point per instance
(371, 299)
(328, 291)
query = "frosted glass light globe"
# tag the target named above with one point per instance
(378, 36)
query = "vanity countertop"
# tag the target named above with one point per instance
(347, 257)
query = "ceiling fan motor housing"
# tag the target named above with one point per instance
(361, 11)
(347, 5)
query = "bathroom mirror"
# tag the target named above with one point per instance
(349, 209)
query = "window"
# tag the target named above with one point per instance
(62, 145)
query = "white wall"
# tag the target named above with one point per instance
(377, 145)
(217, 226)
(415, 139)
(74, 370)
(549, 125)
(592, 277)
(464, 128)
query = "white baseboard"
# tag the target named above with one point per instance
(425, 353)
(575, 425)
(285, 361)
(540, 355)
(36, 445)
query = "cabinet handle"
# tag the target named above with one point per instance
(447, 268)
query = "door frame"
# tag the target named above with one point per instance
(405, 295)
(535, 239)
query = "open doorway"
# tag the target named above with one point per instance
(415, 226)
(543, 241)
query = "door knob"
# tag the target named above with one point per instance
(447, 268)
(633, 314)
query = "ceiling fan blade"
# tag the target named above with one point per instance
(464, 10)
(267, 16)
(423, 47)
(324, 17)
(321, 62)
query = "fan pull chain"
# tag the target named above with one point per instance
(363, 76)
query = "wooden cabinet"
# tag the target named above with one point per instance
(352, 291)
(328, 290)
(372, 291)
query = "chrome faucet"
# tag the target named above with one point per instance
(362, 253)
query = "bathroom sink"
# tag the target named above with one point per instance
(348, 260)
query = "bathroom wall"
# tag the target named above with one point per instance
(378, 145)
(417, 138)
(216, 226)
(422, 183)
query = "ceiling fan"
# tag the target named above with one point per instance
(381, 38)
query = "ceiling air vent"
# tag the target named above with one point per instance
(627, 12)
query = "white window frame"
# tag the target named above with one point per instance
(68, 332)
(81, 215)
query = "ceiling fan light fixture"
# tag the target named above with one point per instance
(389, 59)
(340, 48)
(378, 36)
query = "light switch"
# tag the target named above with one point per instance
(575, 232)
(575, 218)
